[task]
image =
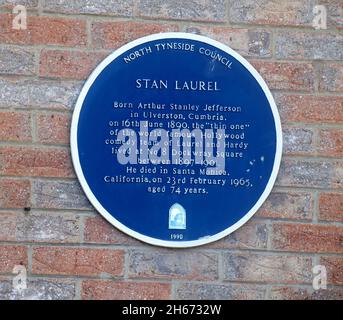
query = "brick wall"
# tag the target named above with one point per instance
(70, 252)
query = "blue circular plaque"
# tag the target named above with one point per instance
(176, 139)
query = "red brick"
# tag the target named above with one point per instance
(334, 268)
(266, 268)
(331, 142)
(49, 227)
(252, 235)
(38, 289)
(98, 230)
(331, 77)
(310, 109)
(331, 207)
(284, 13)
(199, 10)
(38, 93)
(307, 238)
(97, 7)
(59, 195)
(110, 35)
(8, 226)
(302, 45)
(173, 265)
(17, 61)
(289, 293)
(246, 42)
(15, 126)
(287, 205)
(44, 31)
(53, 128)
(14, 193)
(9, 4)
(77, 261)
(215, 291)
(25, 161)
(298, 141)
(310, 173)
(334, 12)
(110, 290)
(286, 75)
(68, 64)
(10, 256)
(296, 293)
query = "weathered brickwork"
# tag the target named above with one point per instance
(70, 252)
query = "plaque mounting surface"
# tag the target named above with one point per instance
(166, 82)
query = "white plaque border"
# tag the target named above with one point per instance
(75, 155)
